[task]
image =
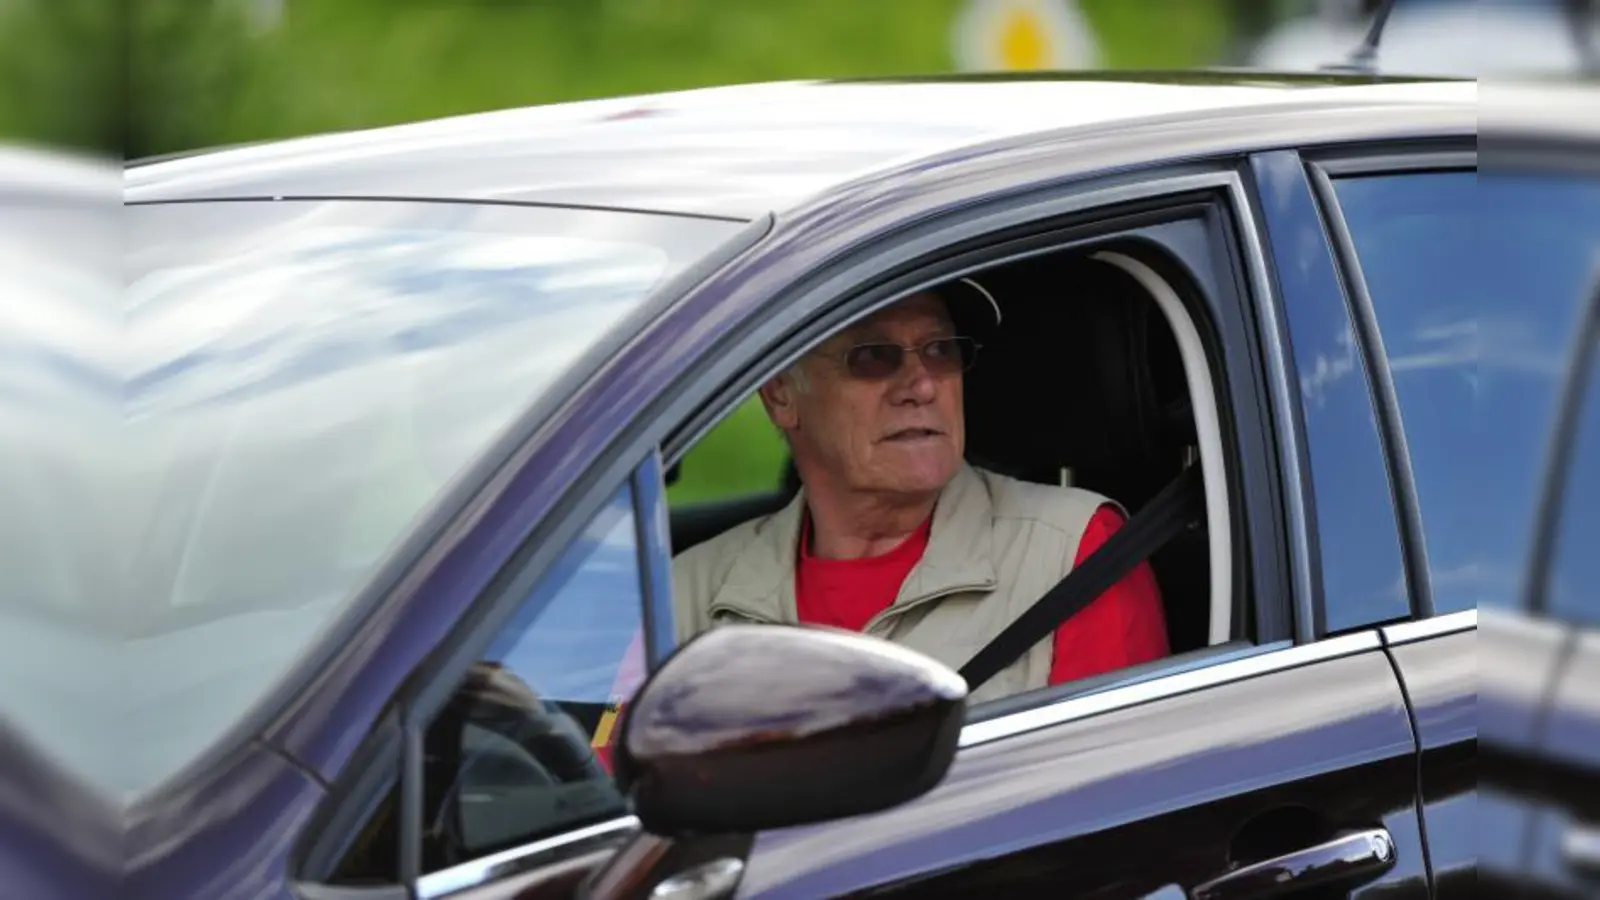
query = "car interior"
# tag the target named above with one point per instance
(1084, 384)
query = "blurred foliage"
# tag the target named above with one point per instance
(743, 454)
(155, 76)
(338, 64)
(61, 73)
(187, 63)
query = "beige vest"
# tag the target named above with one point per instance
(996, 546)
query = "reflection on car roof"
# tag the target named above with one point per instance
(737, 151)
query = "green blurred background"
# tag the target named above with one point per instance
(152, 77)
(148, 77)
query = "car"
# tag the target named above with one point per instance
(404, 405)
(1443, 37)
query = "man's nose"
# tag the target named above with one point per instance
(915, 384)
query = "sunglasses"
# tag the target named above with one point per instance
(940, 356)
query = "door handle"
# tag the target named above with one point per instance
(1581, 849)
(1361, 855)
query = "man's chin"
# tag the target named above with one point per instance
(927, 477)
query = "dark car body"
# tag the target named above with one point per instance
(1350, 710)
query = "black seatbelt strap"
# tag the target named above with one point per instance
(1163, 518)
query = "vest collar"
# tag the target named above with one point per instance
(959, 556)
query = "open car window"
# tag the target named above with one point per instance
(1088, 384)
(1476, 280)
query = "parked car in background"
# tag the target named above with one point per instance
(1539, 801)
(1446, 38)
(403, 406)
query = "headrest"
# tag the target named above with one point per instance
(1080, 374)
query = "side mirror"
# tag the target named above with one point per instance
(753, 727)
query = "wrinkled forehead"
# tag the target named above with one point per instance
(917, 316)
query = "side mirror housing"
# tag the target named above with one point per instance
(754, 727)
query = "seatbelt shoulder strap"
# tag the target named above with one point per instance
(1163, 518)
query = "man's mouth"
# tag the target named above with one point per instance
(913, 434)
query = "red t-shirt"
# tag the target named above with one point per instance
(1123, 627)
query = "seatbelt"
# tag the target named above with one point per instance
(1162, 519)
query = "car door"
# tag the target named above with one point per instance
(1287, 762)
(1400, 223)
(1277, 762)
(1466, 280)
(1286, 752)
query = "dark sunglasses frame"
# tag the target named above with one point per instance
(866, 369)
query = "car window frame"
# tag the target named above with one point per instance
(1168, 191)
(1322, 168)
(1301, 168)
(1267, 512)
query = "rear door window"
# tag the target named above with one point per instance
(1476, 281)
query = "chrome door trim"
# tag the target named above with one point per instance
(1431, 627)
(525, 858)
(1580, 848)
(1075, 708)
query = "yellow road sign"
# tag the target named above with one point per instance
(1023, 35)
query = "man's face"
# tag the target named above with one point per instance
(903, 433)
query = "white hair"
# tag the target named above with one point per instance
(796, 375)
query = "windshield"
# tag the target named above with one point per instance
(211, 465)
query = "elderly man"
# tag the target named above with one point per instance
(894, 534)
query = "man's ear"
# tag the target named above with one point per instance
(778, 396)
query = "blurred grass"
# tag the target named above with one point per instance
(159, 76)
(744, 454)
(341, 64)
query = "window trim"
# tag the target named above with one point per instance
(1377, 162)
(1249, 662)
(1428, 629)
(1208, 429)
(525, 858)
(653, 535)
